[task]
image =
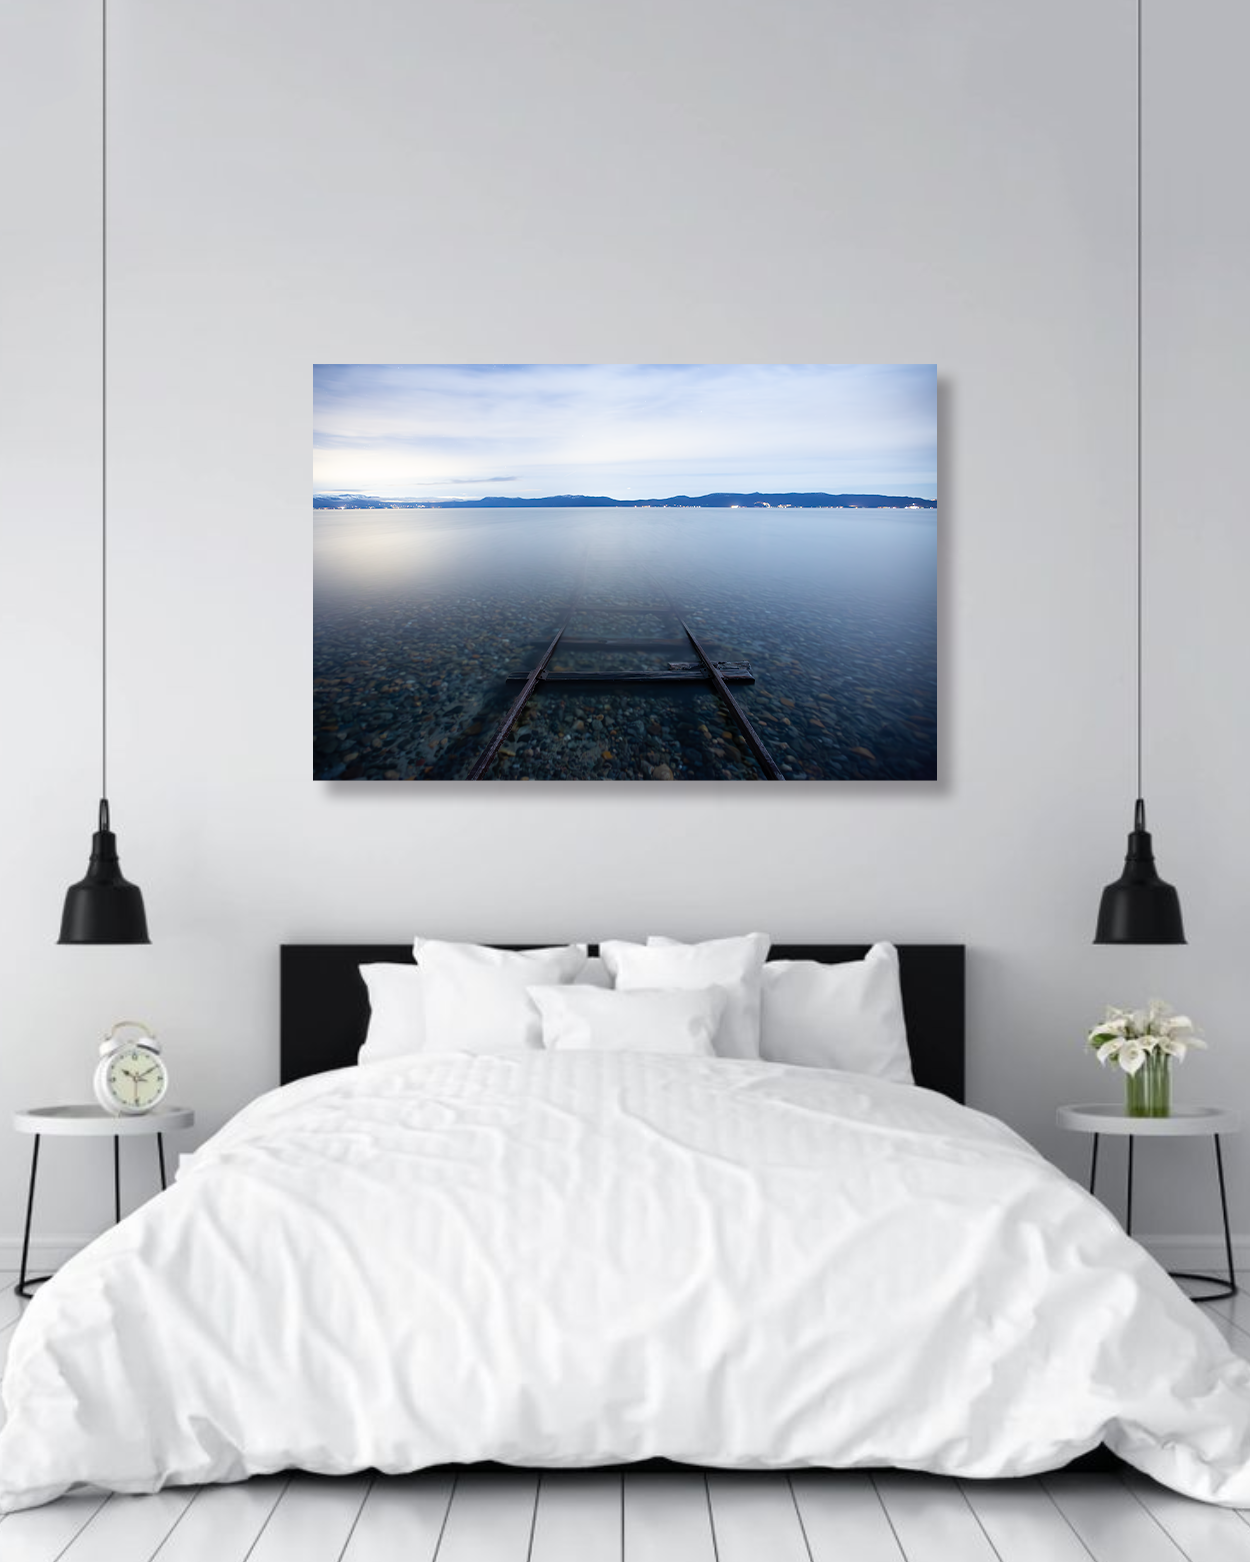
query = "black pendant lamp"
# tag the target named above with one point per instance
(1139, 908)
(103, 908)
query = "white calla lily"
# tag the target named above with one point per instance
(1131, 1057)
(1134, 1037)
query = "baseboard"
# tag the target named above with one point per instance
(46, 1253)
(1200, 1253)
(1173, 1252)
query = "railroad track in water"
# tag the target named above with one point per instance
(677, 635)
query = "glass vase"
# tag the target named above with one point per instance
(1148, 1093)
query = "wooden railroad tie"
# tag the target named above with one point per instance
(676, 636)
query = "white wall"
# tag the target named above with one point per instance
(686, 180)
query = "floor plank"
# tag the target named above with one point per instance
(11, 1305)
(579, 1517)
(312, 1519)
(403, 1518)
(932, 1519)
(1023, 1523)
(753, 1516)
(1201, 1530)
(42, 1534)
(133, 1527)
(222, 1523)
(1237, 1307)
(1234, 1309)
(1109, 1519)
(491, 1517)
(843, 1517)
(667, 1518)
(1237, 1339)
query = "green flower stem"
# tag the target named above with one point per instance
(1148, 1092)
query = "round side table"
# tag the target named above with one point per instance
(1184, 1122)
(89, 1121)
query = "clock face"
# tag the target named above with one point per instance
(136, 1079)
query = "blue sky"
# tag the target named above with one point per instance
(467, 431)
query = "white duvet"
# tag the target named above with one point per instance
(581, 1258)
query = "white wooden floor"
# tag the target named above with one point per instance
(809, 1516)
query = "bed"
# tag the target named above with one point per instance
(578, 1258)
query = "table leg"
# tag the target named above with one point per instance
(160, 1152)
(117, 1179)
(24, 1280)
(1228, 1241)
(1093, 1165)
(1128, 1203)
(1221, 1289)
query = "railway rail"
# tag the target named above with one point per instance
(676, 635)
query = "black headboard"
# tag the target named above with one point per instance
(325, 1008)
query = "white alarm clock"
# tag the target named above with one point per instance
(131, 1077)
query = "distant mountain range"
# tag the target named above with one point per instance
(676, 502)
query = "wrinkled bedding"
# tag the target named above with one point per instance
(571, 1258)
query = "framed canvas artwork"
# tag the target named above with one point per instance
(614, 572)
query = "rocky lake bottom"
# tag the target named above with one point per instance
(410, 685)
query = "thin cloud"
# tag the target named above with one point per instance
(626, 430)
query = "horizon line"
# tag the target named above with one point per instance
(508, 501)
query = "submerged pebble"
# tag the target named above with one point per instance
(410, 684)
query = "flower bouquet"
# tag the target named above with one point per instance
(1144, 1042)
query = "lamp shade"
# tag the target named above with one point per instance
(104, 908)
(1139, 908)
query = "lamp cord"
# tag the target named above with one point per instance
(1139, 398)
(104, 383)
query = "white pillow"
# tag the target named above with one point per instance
(731, 963)
(396, 1012)
(847, 1016)
(397, 1007)
(641, 1020)
(475, 998)
(593, 974)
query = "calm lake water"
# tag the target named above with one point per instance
(421, 614)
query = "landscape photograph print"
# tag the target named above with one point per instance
(625, 572)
